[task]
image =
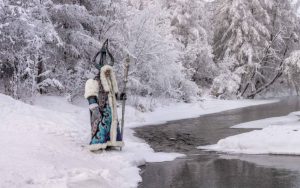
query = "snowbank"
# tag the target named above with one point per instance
(290, 119)
(42, 148)
(41, 145)
(280, 135)
(178, 111)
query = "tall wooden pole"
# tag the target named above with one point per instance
(127, 62)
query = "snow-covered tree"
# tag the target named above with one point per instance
(83, 26)
(283, 39)
(47, 47)
(190, 27)
(292, 70)
(26, 36)
(258, 34)
(156, 71)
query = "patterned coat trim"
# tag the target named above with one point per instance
(96, 147)
(115, 144)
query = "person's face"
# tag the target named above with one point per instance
(107, 73)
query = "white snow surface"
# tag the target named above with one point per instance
(178, 111)
(278, 135)
(291, 119)
(41, 144)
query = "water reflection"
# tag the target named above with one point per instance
(211, 171)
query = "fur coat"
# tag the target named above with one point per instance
(105, 88)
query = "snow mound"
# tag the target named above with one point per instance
(280, 135)
(42, 147)
(292, 118)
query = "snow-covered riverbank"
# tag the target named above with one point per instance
(278, 135)
(41, 145)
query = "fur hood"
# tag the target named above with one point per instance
(105, 81)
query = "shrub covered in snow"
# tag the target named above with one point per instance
(292, 70)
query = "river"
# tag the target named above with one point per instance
(204, 169)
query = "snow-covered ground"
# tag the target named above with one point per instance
(41, 145)
(178, 111)
(278, 135)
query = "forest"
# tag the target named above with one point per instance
(180, 50)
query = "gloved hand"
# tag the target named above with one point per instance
(93, 102)
(123, 96)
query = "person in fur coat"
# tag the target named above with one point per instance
(102, 94)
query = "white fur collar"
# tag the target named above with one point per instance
(110, 85)
(105, 80)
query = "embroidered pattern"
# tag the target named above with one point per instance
(102, 120)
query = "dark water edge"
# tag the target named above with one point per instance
(215, 170)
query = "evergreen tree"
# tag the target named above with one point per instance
(255, 36)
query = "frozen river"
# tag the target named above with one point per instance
(214, 170)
